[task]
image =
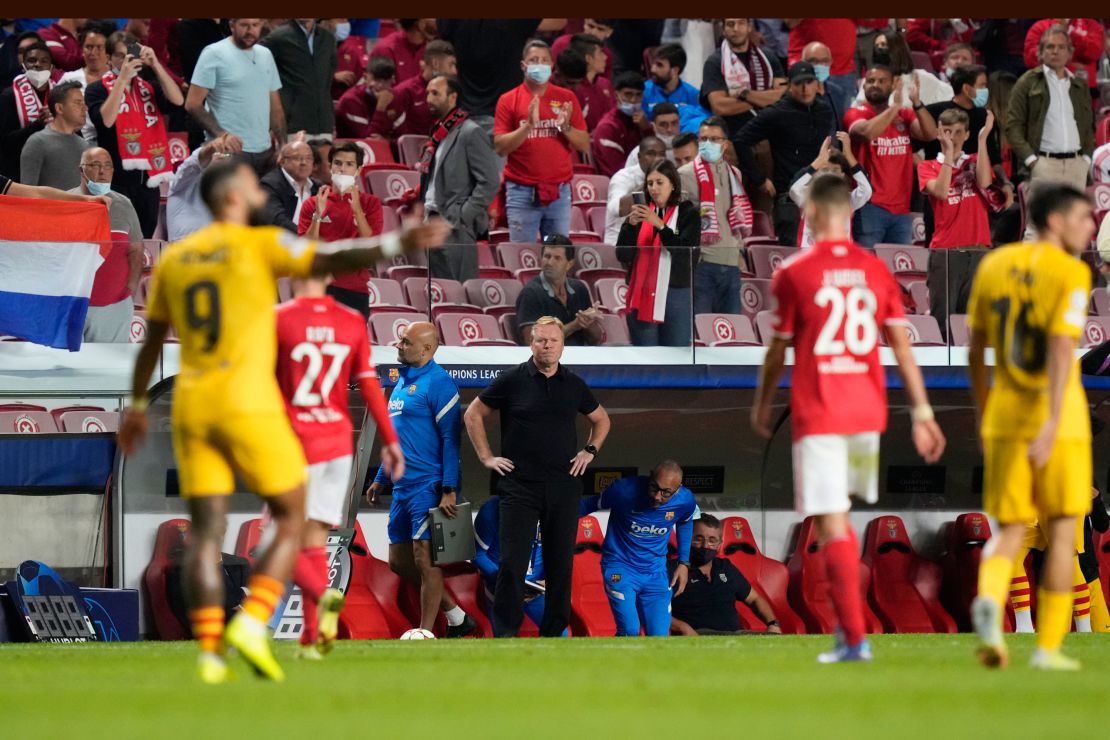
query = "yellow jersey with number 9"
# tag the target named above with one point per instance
(1022, 295)
(217, 289)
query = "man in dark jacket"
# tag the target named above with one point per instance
(795, 127)
(304, 53)
(289, 185)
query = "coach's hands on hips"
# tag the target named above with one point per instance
(132, 430)
(680, 578)
(580, 462)
(928, 439)
(447, 505)
(502, 465)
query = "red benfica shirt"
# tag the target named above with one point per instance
(887, 159)
(832, 301)
(322, 348)
(339, 223)
(960, 219)
(546, 155)
(409, 109)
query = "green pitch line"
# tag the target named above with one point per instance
(709, 688)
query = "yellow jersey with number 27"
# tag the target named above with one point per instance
(1022, 295)
(217, 289)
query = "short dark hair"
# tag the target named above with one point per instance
(684, 139)
(965, 76)
(28, 35)
(1052, 198)
(381, 68)
(571, 64)
(826, 189)
(664, 109)
(346, 146)
(585, 43)
(652, 139)
(407, 23)
(672, 54)
(453, 86)
(57, 95)
(958, 46)
(561, 241)
(666, 168)
(39, 45)
(629, 80)
(708, 520)
(714, 121)
(216, 182)
(437, 48)
(837, 157)
(534, 44)
(879, 68)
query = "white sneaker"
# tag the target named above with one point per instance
(987, 620)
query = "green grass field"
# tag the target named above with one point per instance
(921, 686)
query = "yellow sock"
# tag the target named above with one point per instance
(208, 628)
(1053, 618)
(265, 592)
(1100, 615)
(994, 579)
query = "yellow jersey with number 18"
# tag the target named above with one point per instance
(217, 288)
(1022, 295)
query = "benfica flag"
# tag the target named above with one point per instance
(49, 253)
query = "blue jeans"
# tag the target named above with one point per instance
(675, 330)
(841, 90)
(716, 288)
(527, 217)
(876, 225)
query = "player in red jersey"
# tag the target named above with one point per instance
(831, 303)
(322, 348)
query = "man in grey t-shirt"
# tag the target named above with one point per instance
(51, 156)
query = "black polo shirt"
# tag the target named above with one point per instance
(538, 419)
(538, 299)
(710, 603)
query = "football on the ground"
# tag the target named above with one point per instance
(418, 634)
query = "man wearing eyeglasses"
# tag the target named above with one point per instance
(111, 303)
(642, 512)
(289, 185)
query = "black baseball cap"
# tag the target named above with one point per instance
(801, 72)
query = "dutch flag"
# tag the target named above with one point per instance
(49, 254)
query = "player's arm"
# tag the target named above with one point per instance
(774, 364)
(132, 429)
(927, 436)
(1061, 355)
(352, 255)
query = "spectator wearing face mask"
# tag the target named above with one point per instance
(361, 112)
(839, 35)
(840, 162)
(955, 56)
(23, 108)
(820, 57)
(627, 181)
(620, 130)
(664, 123)
(405, 46)
(351, 55)
(538, 126)
(666, 85)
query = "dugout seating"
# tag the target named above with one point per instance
(896, 570)
(249, 539)
(590, 615)
(809, 586)
(768, 577)
(372, 609)
(463, 583)
(962, 543)
(170, 542)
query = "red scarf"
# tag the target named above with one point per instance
(651, 274)
(739, 213)
(28, 105)
(140, 131)
(439, 132)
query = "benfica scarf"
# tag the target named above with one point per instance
(736, 72)
(28, 106)
(439, 132)
(651, 276)
(739, 213)
(140, 132)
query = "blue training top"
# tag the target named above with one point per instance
(424, 407)
(637, 533)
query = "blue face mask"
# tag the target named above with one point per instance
(710, 151)
(982, 94)
(538, 73)
(98, 188)
(629, 108)
(821, 71)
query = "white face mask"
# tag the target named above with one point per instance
(342, 183)
(38, 77)
(667, 140)
(342, 31)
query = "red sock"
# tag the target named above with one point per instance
(310, 573)
(842, 561)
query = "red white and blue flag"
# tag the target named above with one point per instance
(49, 253)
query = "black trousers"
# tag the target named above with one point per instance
(554, 506)
(950, 274)
(787, 218)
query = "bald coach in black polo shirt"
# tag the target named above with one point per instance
(539, 402)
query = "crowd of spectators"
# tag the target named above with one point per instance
(703, 128)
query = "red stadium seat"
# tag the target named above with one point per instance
(922, 60)
(809, 585)
(447, 296)
(525, 275)
(766, 259)
(371, 609)
(390, 185)
(755, 296)
(962, 551)
(400, 273)
(596, 257)
(507, 322)
(249, 539)
(497, 236)
(1099, 194)
(1102, 131)
(765, 323)
(589, 190)
(495, 297)
(144, 291)
(768, 577)
(88, 422)
(20, 406)
(919, 292)
(515, 256)
(470, 330)
(138, 327)
(57, 413)
(590, 615)
(1100, 302)
(386, 326)
(907, 263)
(152, 250)
(463, 583)
(170, 542)
(376, 153)
(596, 216)
(601, 273)
(411, 148)
(895, 568)
(1096, 332)
(27, 422)
(724, 330)
(578, 221)
(957, 322)
(391, 220)
(611, 294)
(386, 294)
(487, 264)
(615, 330)
(179, 147)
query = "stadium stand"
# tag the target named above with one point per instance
(495, 296)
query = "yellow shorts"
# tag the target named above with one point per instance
(261, 449)
(1034, 538)
(1013, 492)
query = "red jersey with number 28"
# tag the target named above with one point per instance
(833, 301)
(322, 348)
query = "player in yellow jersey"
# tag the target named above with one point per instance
(216, 289)
(1029, 302)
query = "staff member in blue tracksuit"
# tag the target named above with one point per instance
(642, 511)
(424, 407)
(487, 526)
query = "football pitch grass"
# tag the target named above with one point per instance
(920, 686)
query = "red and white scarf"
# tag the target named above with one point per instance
(28, 105)
(140, 131)
(651, 276)
(439, 132)
(736, 72)
(739, 213)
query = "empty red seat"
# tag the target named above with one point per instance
(923, 330)
(507, 322)
(249, 539)
(596, 216)
(88, 422)
(895, 570)
(755, 296)
(390, 185)
(57, 413)
(597, 256)
(27, 422)
(725, 330)
(919, 292)
(179, 147)
(589, 190)
(962, 550)
(1099, 193)
(590, 615)
(144, 291)
(766, 259)
(615, 330)
(957, 324)
(447, 296)
(411, 148)
(470, 330)
(375, 151)
(515, 256)
(1100, 302)
(494, 297)
(170, 541)
(1096, 332)
(611, 294)
(765, 323)
(917, 228)
(906, 262)
(391, 220)
(20, 406)
(768, 577)
(387, 326)
(386, 294)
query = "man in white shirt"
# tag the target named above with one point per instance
(627, 181)
(185, 210)
(289, 185)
